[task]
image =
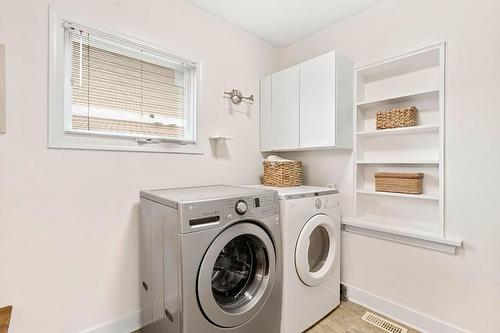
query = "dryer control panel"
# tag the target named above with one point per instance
(326, 202)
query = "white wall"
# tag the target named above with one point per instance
(462, 289)
(69, 219)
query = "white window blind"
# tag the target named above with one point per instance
(120, 88)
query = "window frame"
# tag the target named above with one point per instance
(60, 99)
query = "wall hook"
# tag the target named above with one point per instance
(236, 96)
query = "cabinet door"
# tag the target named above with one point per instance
(285, 109)
(317, 101)
(265, 114)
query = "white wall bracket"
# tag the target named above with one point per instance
(220, 138)
(220, 144)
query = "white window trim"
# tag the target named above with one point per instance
(58, 137)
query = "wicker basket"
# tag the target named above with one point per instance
(402, 117)
(282, 173)
(410, 183)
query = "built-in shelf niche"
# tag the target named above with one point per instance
(366, 177)
(404, 76)
(400, 212)
(414, 79)
(428, 109)
(418, 146)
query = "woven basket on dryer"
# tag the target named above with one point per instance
(410, 183)
(282, 173)
(401, 117)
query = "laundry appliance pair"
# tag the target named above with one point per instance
(220, 259)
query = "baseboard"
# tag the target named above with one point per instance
(126, 324)
(400, 313)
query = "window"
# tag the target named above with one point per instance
(112, 92)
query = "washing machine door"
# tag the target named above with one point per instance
(236, 275)
(315, 250)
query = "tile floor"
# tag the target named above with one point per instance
(345, 319)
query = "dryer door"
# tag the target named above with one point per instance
(315, 250)
(236, 275)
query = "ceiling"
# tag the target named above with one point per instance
(283, 22)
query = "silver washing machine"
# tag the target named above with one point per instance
(211, 260)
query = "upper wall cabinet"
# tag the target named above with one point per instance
(285, 109)
(308, 106)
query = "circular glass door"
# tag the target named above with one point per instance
(315, 250)
(236, 275)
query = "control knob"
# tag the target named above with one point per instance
(241, 207)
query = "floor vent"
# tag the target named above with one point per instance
(383, 323)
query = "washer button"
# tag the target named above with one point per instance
(317, 203)
(241, 207)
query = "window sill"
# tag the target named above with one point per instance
(68, 141)
(406, 236)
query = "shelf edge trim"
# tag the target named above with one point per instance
(366, 104)
(429, 197)
(400, 131)
(437, 243)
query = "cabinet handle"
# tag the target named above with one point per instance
(169, 316)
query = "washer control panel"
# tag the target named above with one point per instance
(257, 207)
(213, 213)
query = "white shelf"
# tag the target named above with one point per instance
(413, 97)
(399, 162)
(415, 78)
(220, 137)
(402, 130)
(410, 62)
(402, 235)
(400, 195)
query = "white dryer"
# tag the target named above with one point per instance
(310, 222)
